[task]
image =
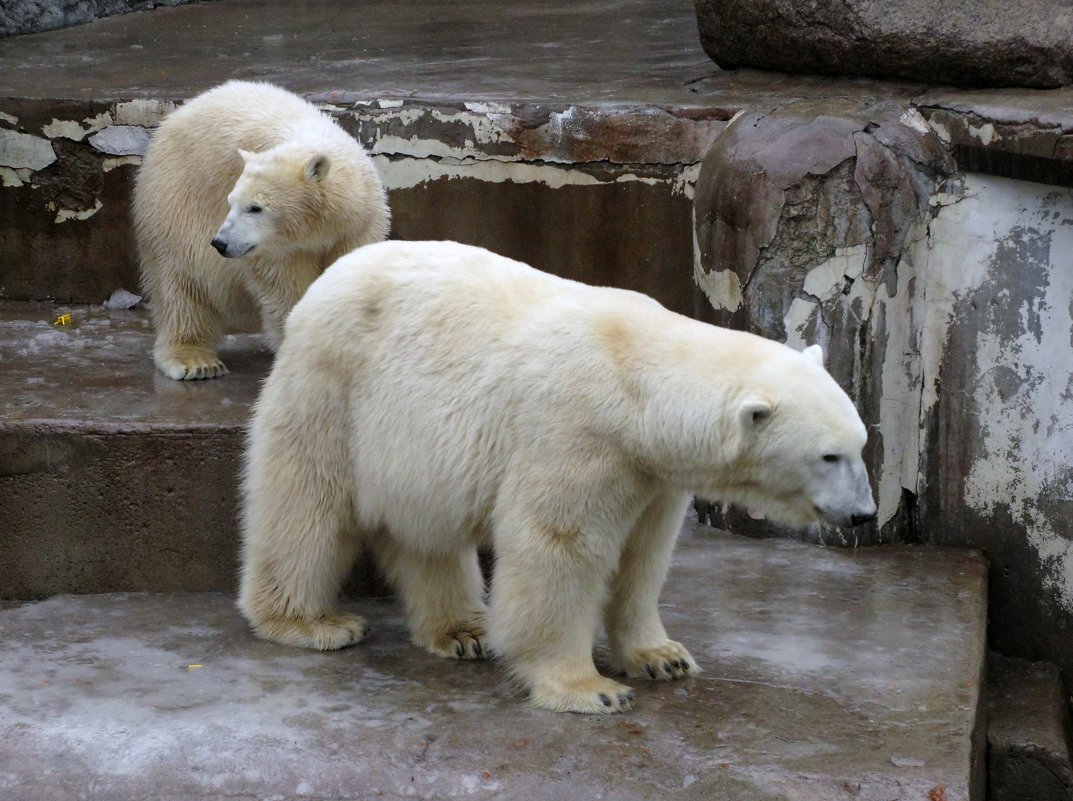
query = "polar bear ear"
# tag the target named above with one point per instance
(753, 411)
(317, 167)
(814, 352)
(245, 154)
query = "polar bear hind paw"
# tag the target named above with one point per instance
(669, 660)
(462, 642)
(596, 696)
(190, 363)
(325, 633)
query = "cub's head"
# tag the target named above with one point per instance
(275, 204)
(800, 445)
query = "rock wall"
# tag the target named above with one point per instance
(960, 42)
(32, 16)
(943, 300)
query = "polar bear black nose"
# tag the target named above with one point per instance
(856, 520)
(220, 245)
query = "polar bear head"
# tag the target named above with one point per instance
(799, 442)
(276, 205)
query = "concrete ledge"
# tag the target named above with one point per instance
(828, 674)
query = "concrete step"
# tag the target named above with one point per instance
(1029, 732)
(113, 477)
(828, 674)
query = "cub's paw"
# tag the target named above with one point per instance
(462, 641)
(594, 696)
(325, 633)
(190, 363)
(662, 662)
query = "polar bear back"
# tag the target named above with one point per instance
(451, 365)
(438, 371)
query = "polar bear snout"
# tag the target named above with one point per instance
(227, 246)
(847, 519)
(842, 496)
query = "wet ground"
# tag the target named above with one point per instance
(827, 675)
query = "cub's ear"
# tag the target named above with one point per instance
(317, 168)
(753, 411)
(814, 352)
(245, 154)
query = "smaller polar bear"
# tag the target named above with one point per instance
(430, 398)
(293, 192)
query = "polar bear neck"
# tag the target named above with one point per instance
(688, 432)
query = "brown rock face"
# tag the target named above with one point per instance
(788, 194)
(961, 42)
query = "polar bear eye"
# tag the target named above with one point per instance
(832, 457)
(253, 208)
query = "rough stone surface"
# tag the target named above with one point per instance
(1028, 732)
(965, 42)
(828, 674)
(803, 215)
(32, 16)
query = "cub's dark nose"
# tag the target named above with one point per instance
(220, 245)
(856, 520)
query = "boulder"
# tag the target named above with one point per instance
(962, 42)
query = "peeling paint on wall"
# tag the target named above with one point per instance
(121, 140)
(406, 173)
(145, 113)
(110, 164)
(75, 131)
(998, 264)
(25, 150)
(64, 215)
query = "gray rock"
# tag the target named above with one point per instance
(962, 42)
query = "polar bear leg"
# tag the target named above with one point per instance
(299, 538)
(443, 596)
(188, 330)
(547, 592)
(639, 644)
(292, 571)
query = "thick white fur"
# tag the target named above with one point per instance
(182, 197)
(431, 397)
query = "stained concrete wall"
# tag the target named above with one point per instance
(600, 195)
(997, 370)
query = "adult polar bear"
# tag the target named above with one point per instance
(302, 193)
(430, 397)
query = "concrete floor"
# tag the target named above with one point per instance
(828, 674)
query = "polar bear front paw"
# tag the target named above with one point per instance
(662, 662)
(325, 633)
(465, 641)
(594, 696)
(190, 364)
